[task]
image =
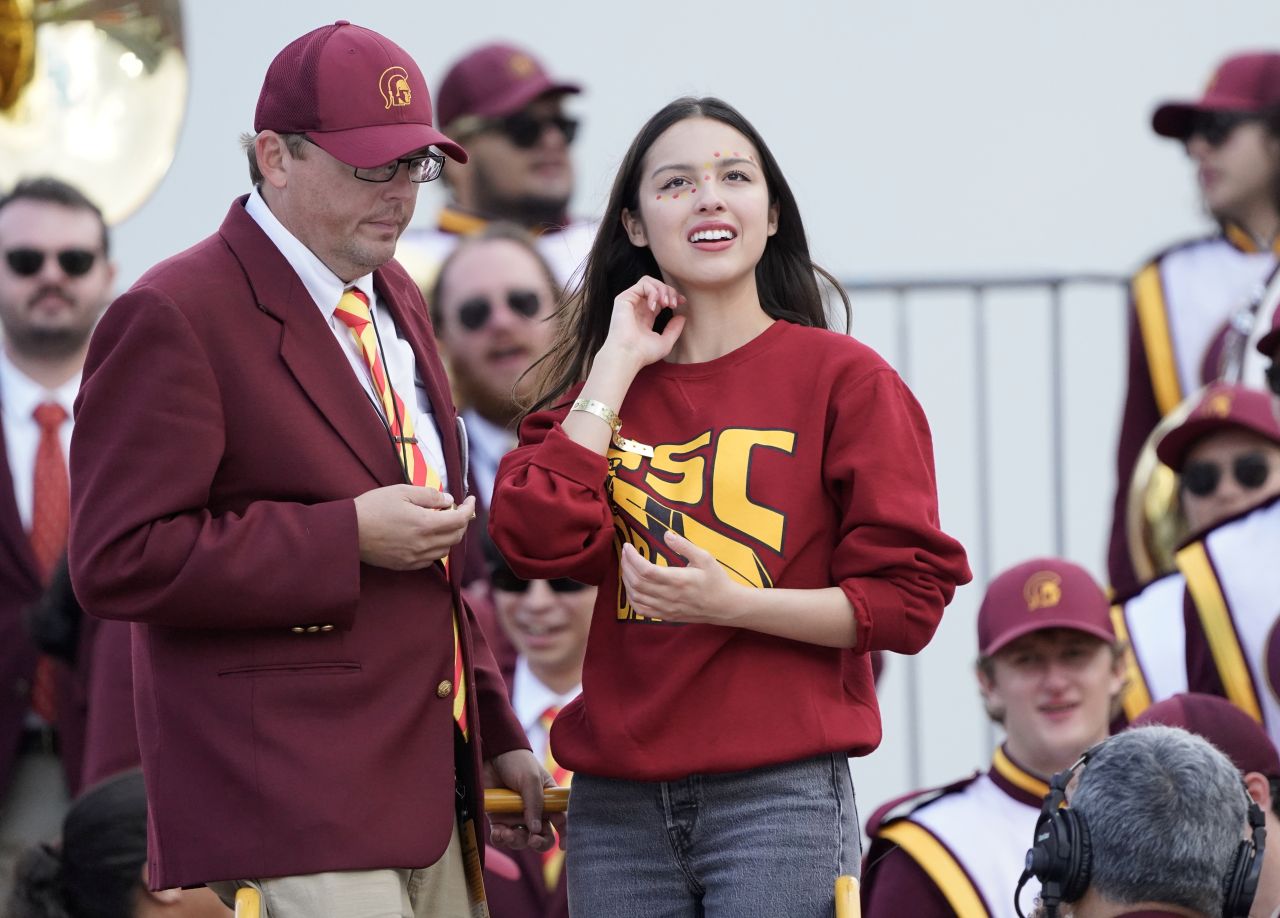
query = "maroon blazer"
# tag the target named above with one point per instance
(19, 587)
(294, 706)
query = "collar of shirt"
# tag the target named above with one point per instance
(1018, 782)
(325, 287)
(20, 394)
(529, 698)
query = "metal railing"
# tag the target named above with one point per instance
(1048, 292)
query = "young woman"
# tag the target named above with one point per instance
(755, 496)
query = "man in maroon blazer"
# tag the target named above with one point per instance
(55, 280)
(239, 494)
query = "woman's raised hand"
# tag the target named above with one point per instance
(634, 312)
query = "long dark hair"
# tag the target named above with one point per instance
(786, 277)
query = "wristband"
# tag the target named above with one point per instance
(610, 417)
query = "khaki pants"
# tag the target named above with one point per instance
(438, 891)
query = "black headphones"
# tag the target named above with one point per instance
(1061, 855)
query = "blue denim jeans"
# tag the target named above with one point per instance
(765, 843)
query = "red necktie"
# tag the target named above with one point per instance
(353, 311)
(49, 512)
(553, 860)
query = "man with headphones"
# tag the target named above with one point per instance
(1157, 822)
(1051, 672)
(1249, 748)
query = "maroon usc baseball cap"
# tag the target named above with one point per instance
(493, 81)
(1220, 406)
(355, 94)
(1235, 733)
(1039, 594)
(1244, 83)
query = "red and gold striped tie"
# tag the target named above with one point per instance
(553, 860)
(353, 311)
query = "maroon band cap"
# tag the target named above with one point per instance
(493, 81)
(1244, 83)
(1235, 733)
(1040, 594)
(355, 94)
(1220, 406)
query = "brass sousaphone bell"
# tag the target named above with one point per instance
(1154, 523)
(92, 92)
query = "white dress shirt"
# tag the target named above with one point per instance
(19, 396)
(529, 698)
(489, 443)
(326, 289)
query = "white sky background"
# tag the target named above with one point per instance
(922, 138)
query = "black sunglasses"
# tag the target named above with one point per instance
(1202, 478)
(475, 312)
(524, 130)
(503, 579)
(1216, 127)
(28, 262)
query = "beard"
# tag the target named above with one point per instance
(534, 211)
(50, 343)
(492, 402)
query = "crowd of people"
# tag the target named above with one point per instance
(327, 525)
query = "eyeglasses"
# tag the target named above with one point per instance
(1202, 478)
(503, 579)
(524, 130)
(1216, 127)
(474, 313)
(28, 262)
(425, 167)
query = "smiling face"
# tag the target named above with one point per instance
(501, 282)
(1054, 689)
(704, 209)
(548, 628)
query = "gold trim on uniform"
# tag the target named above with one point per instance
(1211, 605)
(1157, 341)
(934, 858)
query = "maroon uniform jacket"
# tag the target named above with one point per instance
(294, 706)
(19, 587)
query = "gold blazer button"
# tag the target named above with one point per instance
(444, 688)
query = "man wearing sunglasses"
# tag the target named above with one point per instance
(1194, 306)
(1226, 454)
(500, 101)
(546, 622)
(55, 281)
(262, 478)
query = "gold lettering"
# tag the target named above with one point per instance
(687, 488)
(729, 499)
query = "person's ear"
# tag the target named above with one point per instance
(773, 218)
(159, 896)
(1259, 789)
(635, 229)
(274, 158)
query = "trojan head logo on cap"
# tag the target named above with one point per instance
(1218, 405)
(394, 86)
(521, 65)
(1043, 590)
(1040, 594)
